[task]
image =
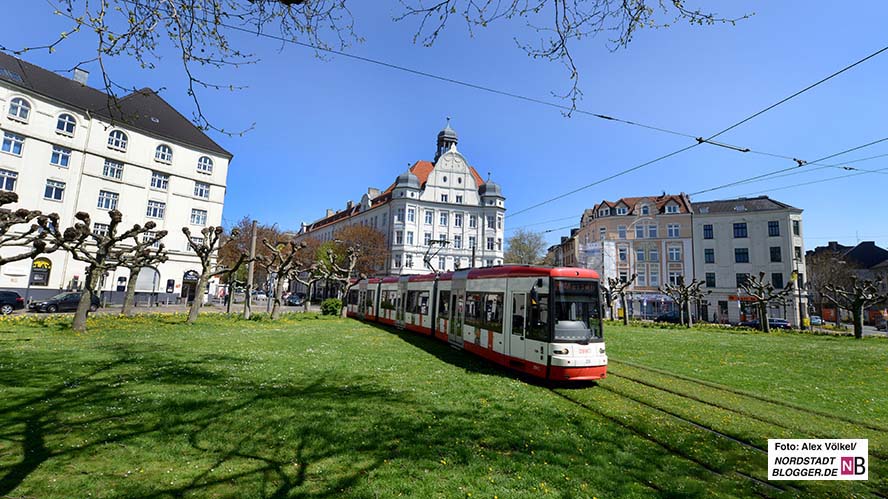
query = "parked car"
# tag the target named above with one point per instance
(816, 320)
(296, 299)
(63, 302)
(772, 323)
(10, 301)
(882, 324)
(671, 317)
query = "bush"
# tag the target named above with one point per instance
(331, 306)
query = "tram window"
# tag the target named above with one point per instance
(353, 297)
(369, 300)
(444, 304)
(538, 320)
(519, 312)
(473, 315)
(412, 302)
(422, 303)
(493, 312)
(388, 300)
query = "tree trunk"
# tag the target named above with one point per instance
(625, 309)
(129, 298)
(277, 305)
(681, 313)
(198, 298)
(92, 278)
(343, 310)
(307, 296)
(858, 321)
(764, 323)
(690, 315)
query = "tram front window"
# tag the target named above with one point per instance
(577, 312)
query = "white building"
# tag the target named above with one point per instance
(738, 238)
(443, 201)
(68, 148)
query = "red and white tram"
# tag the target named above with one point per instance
(542, 321)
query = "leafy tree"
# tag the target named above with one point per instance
(372, 251)
(206, 249)
(765, 294)
(616, 289)
(857, 296)
(147, 252)
(200, 32)
(684, 296)
(525, 246)
(237, 243)
(342, 270)
(101, 251)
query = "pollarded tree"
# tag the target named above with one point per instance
(20, 229)
(342, 270)
(617, 289)
(287, 261)
(525, 247)
(102, 251)
(857, 296)
(148, 252)
(684, 296)
(206, 248)
(765, 294)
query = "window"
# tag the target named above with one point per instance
(796, 228)
(410, 237)
(499, 244)
(117, 140)
(205, 165)
(427, 238)
(473, 241)
(197, 240)
(457, 219)
(707, 231)
(775, 254)
(710, 279)
(641, 275)
(741, 255)
(673, 230)
(54, 190)
(160, 181)
(621, 232)
(66, 125)
(459, 199)
(740, 230)
(399, 215)
(442, 263)
(7, 180)
(777, 280)
(602, 233)
(491, 222)
(672, 208)
(60, 156)
(621, 210)
(399, 237)
(396, 261)
(623, 253)
(742, 277)
(108, 200)
(654, 276)
(708, 255)
(473, 221)
(674, 277)
(151, 236)
(19, 109)
(604, 212)
(202, 190)
(156, 209)
(773, 228)
(674, 253)
(112, 169)
(645, 210)
(198, 217)
(624, 276)
(639, 232)
(411, 214)
(428, 217)
(408, 260)
(442, 238)
(13, 143)
(442, 219)
(101, 230)
(443, 198)
(653, 255)
(652, 231)
(490, 243)
(164, 154)
(457, 241)
(798, 253)
(639, 254)
(499, 222)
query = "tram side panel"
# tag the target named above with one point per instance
(418, 307)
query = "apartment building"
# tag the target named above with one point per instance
(444, 200)
(738, 238)
(68, 148)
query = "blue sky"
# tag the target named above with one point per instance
(328, 129)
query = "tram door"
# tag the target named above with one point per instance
(362, 303)
(519, 322)
(399, 308)
(458, 309)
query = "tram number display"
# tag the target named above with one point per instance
(576, 287)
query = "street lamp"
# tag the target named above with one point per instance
(799, 277)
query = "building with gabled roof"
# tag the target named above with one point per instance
(444, 200)
(68, 148)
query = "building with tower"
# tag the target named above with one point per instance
(442, 209)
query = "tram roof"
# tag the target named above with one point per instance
(500, 272)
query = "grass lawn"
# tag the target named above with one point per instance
(306, 407)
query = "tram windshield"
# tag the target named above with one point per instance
(577, 311)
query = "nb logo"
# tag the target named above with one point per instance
(853, 465)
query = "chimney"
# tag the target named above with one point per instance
(81, 76)
(329, 212)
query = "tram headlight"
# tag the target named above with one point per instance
(562, 351)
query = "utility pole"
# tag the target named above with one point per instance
(250, 266)
(473, 255)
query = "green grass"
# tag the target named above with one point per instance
(306, 407)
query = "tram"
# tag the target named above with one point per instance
(545, 322)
